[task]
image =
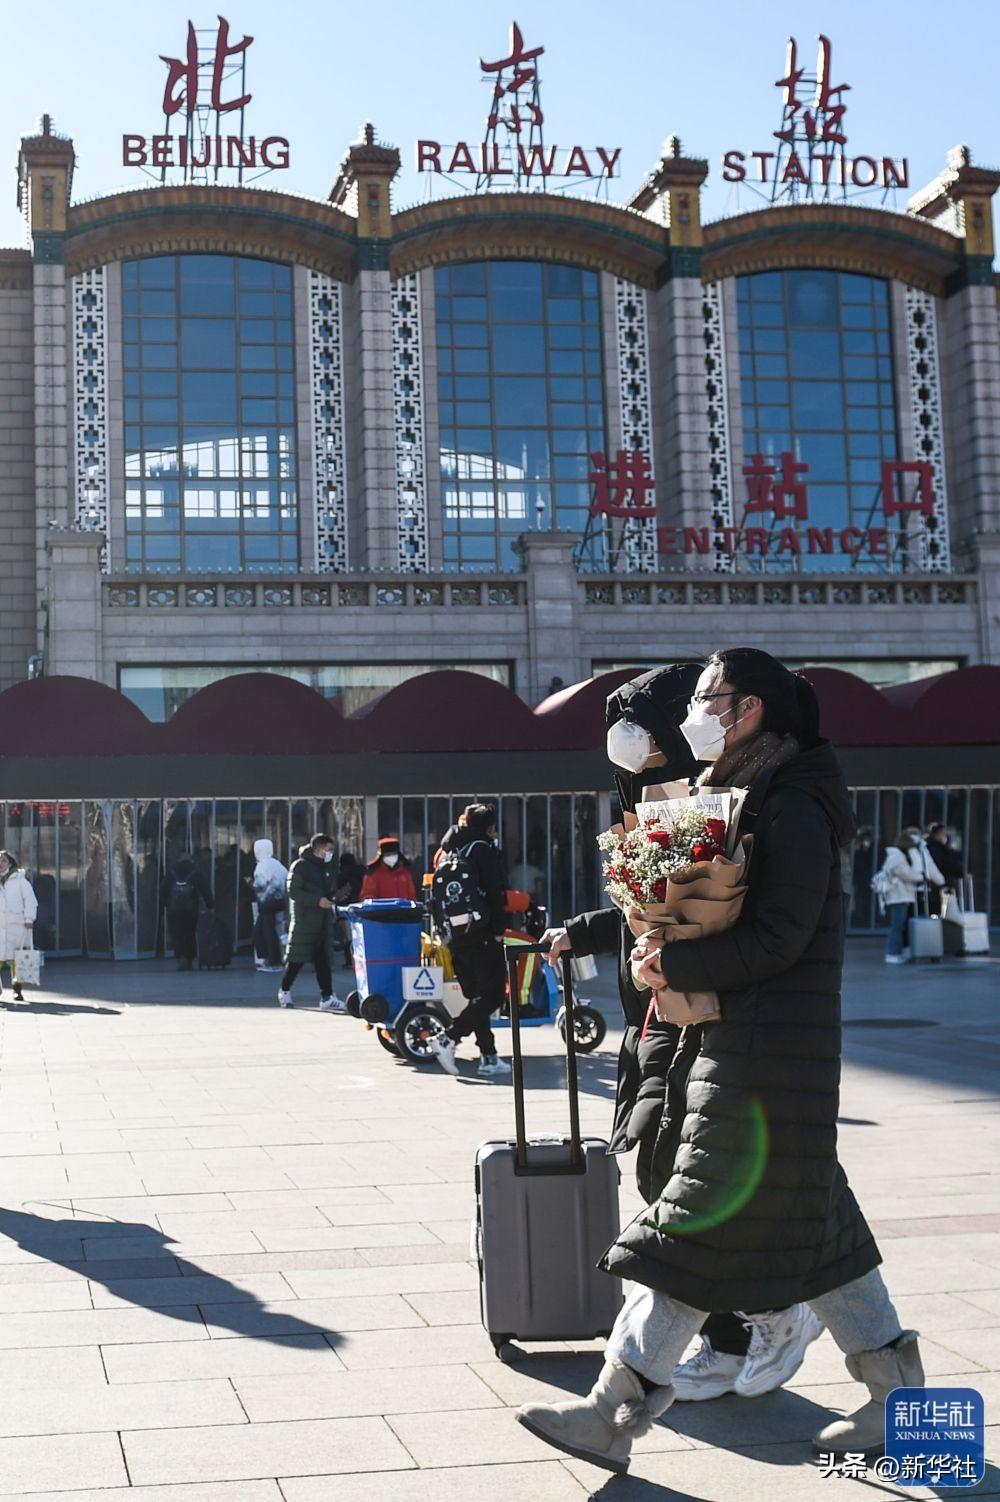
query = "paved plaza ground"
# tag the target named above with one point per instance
(234, 1249)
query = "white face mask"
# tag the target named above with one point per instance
(705, 733)
(328, 857)
(629, 745)
(391, 860)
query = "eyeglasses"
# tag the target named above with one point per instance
(700, 699)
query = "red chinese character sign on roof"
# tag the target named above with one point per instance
(204, 87)
(513, 153)
(810, 161)
(623, 492)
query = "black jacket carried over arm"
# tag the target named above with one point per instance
(642, 1062)
(753, 1210)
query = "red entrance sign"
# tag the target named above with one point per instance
(621, 484)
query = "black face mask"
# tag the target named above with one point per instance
(630, 784)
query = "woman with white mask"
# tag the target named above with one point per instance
(752, 1210)
(18, 908)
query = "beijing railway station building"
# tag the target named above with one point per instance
(516, 439)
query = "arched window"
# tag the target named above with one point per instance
(521, 390)
(210, 447)
(817, 382)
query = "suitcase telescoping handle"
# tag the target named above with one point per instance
(514, 953)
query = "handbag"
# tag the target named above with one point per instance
(27, 967)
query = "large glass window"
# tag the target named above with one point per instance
(521, 388)
(161, 690)
(210, 451)
(817, 382)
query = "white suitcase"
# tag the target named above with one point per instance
(965, 930)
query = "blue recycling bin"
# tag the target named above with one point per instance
(385, 937)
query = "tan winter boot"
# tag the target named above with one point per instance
(600, 1427)
(895, 1365)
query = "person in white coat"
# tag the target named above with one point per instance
(908, 869)
(18, 906)
(269, 897)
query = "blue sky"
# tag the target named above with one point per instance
(622, 75)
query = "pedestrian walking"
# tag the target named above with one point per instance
(389, 874)
(270, 897)
(185, 893)
(948, 861)
(18, 910)
(752, 1208)
(311, 899)
(476, 945)
(737, 1353)
(908, 869)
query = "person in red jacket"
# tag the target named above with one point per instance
(389, 874)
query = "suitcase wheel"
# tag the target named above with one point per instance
(506, 1350)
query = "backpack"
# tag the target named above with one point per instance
(880, 886)
(458, 902)
(183, 897)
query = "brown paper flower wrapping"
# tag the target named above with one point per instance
(705, 898)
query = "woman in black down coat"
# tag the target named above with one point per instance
(752, 1209)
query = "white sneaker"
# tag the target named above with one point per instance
(778, 1344)
(333, 1004)
(707, 1374)
(443, 1049)
(897, 959)
(260, 964)
(491, 1064)
(284, 998)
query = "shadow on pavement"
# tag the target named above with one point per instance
(133, 1262)
(58, 1009)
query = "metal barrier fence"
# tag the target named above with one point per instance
(98, 866)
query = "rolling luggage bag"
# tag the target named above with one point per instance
(925, 934)
(215, 942)
(965, 930)
(546, 1209)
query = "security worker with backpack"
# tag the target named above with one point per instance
(468, 900)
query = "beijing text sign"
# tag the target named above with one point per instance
(204, 85)
(811, 153)
(513, 151)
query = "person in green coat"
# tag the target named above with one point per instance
(310, 896)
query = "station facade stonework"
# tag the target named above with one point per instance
(246, 429)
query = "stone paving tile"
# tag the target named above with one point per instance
(23, 1297)
(219, 1491)
(56, 1408)
(525, 1482)
(79, 1365)
(406, 1256)
(332, 1238)
(319, 1448)
(152, 1293)
(205, 1359)
(306, 1316)
(447, 1308)
(267, 1399)
(70, 1462)
(204, 1243)
(385, 1349)
(85, 1327)
(420, 1278)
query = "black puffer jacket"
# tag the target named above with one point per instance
(642, 1065)
(754, 1211)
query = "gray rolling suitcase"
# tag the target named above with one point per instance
(546, 1209)
(925, 934)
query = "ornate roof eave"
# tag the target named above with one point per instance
(235, 220)
(877, 242)
(537, 226)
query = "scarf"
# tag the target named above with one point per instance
(745, 763)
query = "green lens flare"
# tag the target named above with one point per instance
(724, 1200)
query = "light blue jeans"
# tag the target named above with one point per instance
(653, 1330)
(899, 916)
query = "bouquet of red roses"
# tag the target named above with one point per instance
(678, 871)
